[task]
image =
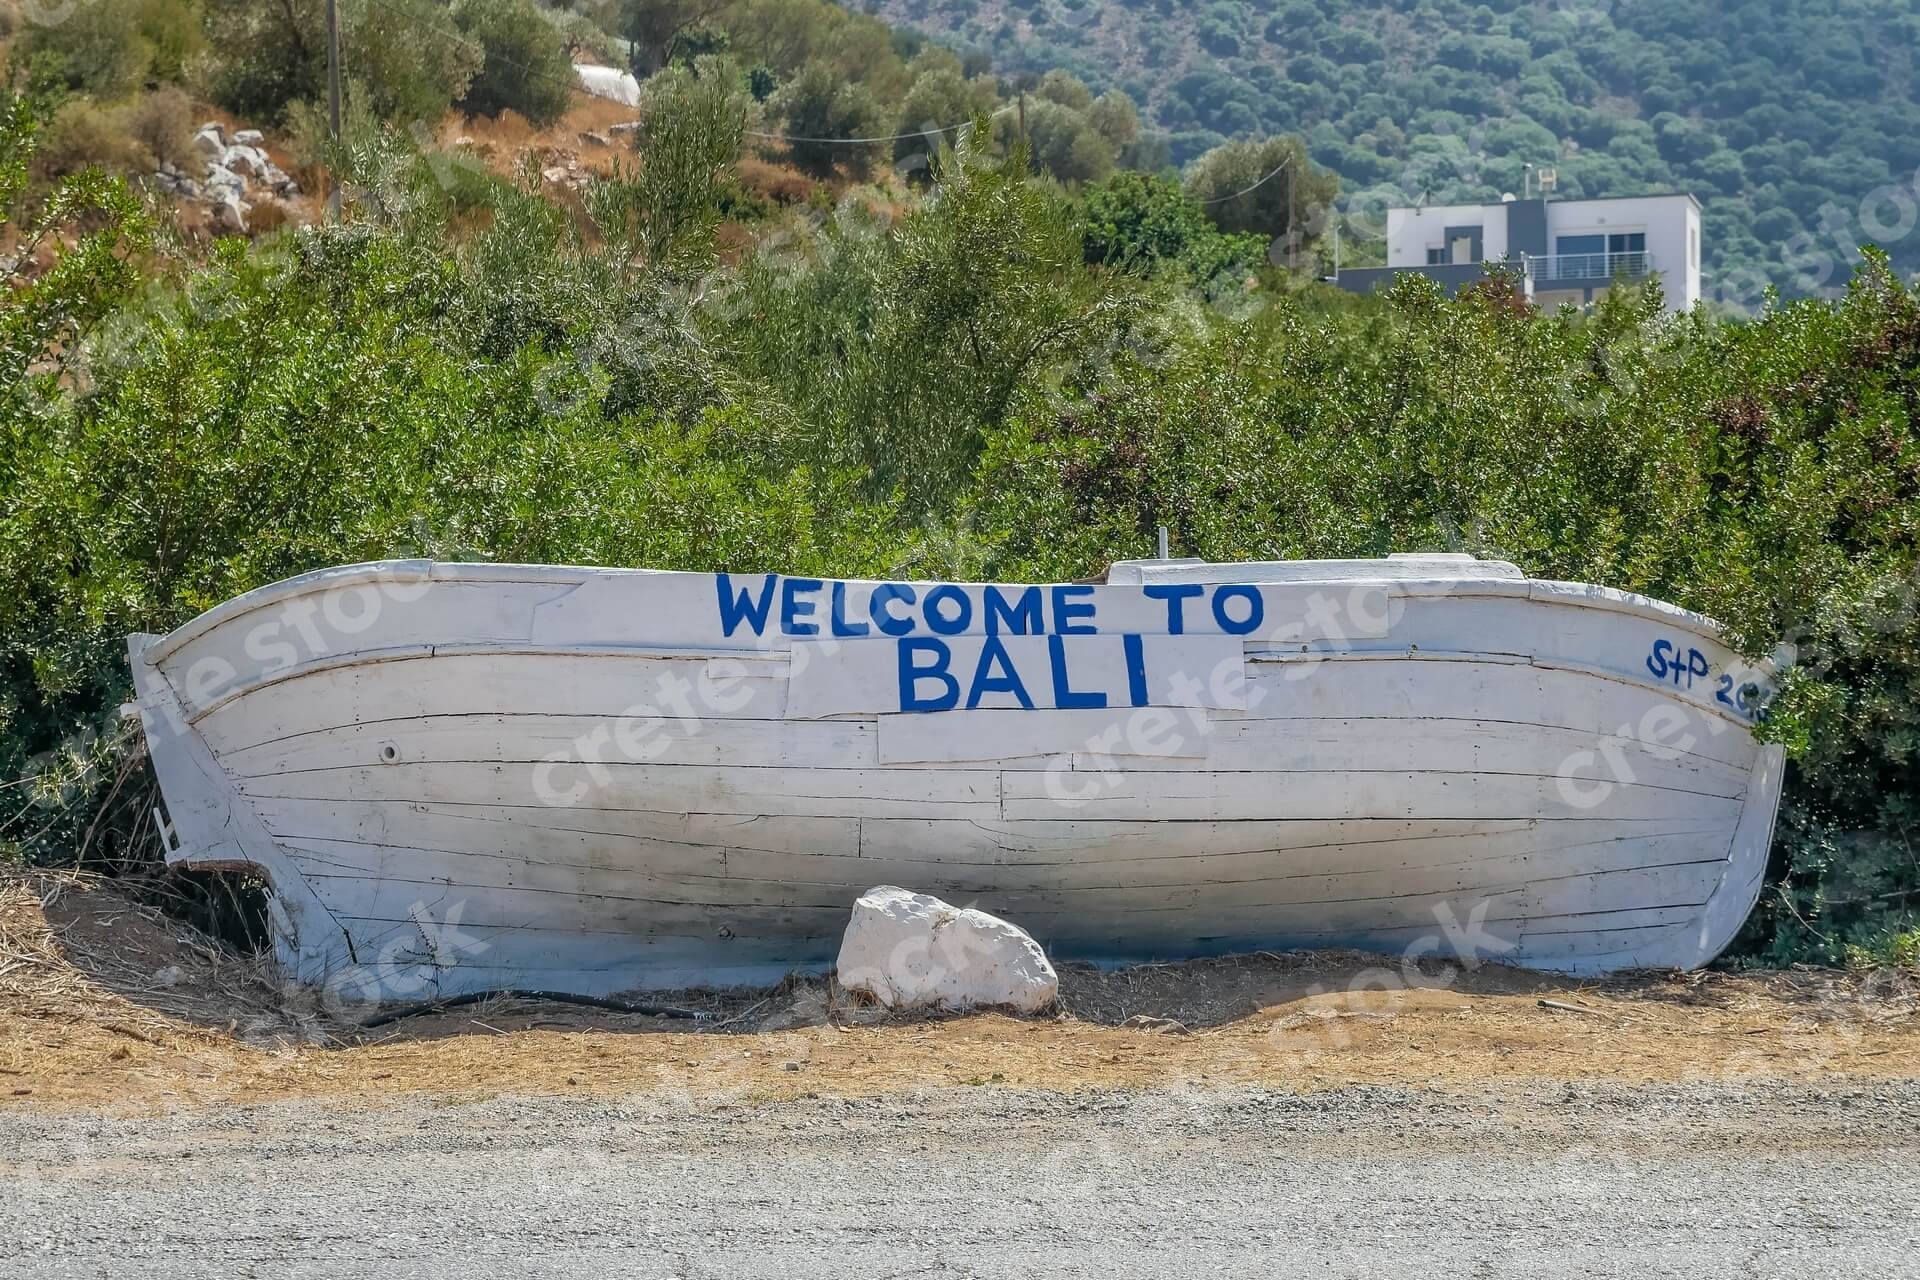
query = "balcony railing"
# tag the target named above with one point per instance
(1589, 266)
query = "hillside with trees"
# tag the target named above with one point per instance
(1796, 123)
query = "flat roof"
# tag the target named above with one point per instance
(1497, 204)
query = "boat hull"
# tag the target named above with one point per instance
(463, 777)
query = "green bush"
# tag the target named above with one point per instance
(525, 67)
(96, 49)
(1140, 222)
(162, 122)
(825, 114)
(83, 134)
(402, 56)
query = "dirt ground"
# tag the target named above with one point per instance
(106, 1002)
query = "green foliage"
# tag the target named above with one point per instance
(1140, 222)
(1782, 116)
(162, 122)
(1267, 188)
(941, 100)
(174, 38)
(94, 48)
(691, 127)
(83, 135)
(401, 57)
(652, 27)
(524, 66)
(823, 114)
(786, 35)
(905, 348)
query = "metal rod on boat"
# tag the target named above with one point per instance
(1163, 542)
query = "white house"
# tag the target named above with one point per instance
(1565, 250)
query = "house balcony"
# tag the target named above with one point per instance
(1566, 269)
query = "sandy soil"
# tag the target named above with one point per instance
(107, 1002)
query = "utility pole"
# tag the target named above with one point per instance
(333, 101)
(1023, 122)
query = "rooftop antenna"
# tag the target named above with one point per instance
(1526, 181)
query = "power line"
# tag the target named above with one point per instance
(574, 86)
(892, 137)
(1255, 187)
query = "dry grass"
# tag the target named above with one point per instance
(104, 1002)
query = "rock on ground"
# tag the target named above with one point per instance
(911, 950)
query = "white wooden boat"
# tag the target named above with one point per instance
(475, 775)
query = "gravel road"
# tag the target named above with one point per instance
(1555, 1181)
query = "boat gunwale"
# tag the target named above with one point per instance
(1575, 594)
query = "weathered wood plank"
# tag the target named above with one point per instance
(525, 739)
(1051, 917)
(948, 793)
(658, 869)
(1177, 795)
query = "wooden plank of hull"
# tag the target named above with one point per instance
(1479, 746)
(950, 793)
(719, 876)
(353, 619)
(1584, 943)
(848, 853)
(1095, 918)
(598, 685)
(988, 794)
(598, 688)
(1145, 797)
(605, 964)
(541, 827)
(524, 739)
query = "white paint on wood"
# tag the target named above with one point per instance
(612, 778)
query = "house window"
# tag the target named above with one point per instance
(1627, 242)
(1463, 245)
(1436, 256)
(1579, 244)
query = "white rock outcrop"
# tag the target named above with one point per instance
(911, 950)
(238, 173)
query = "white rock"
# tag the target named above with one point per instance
(249, 137)
(208, 141)
(246, 160)
(910, 950)
(230, 214)
(222, 181)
